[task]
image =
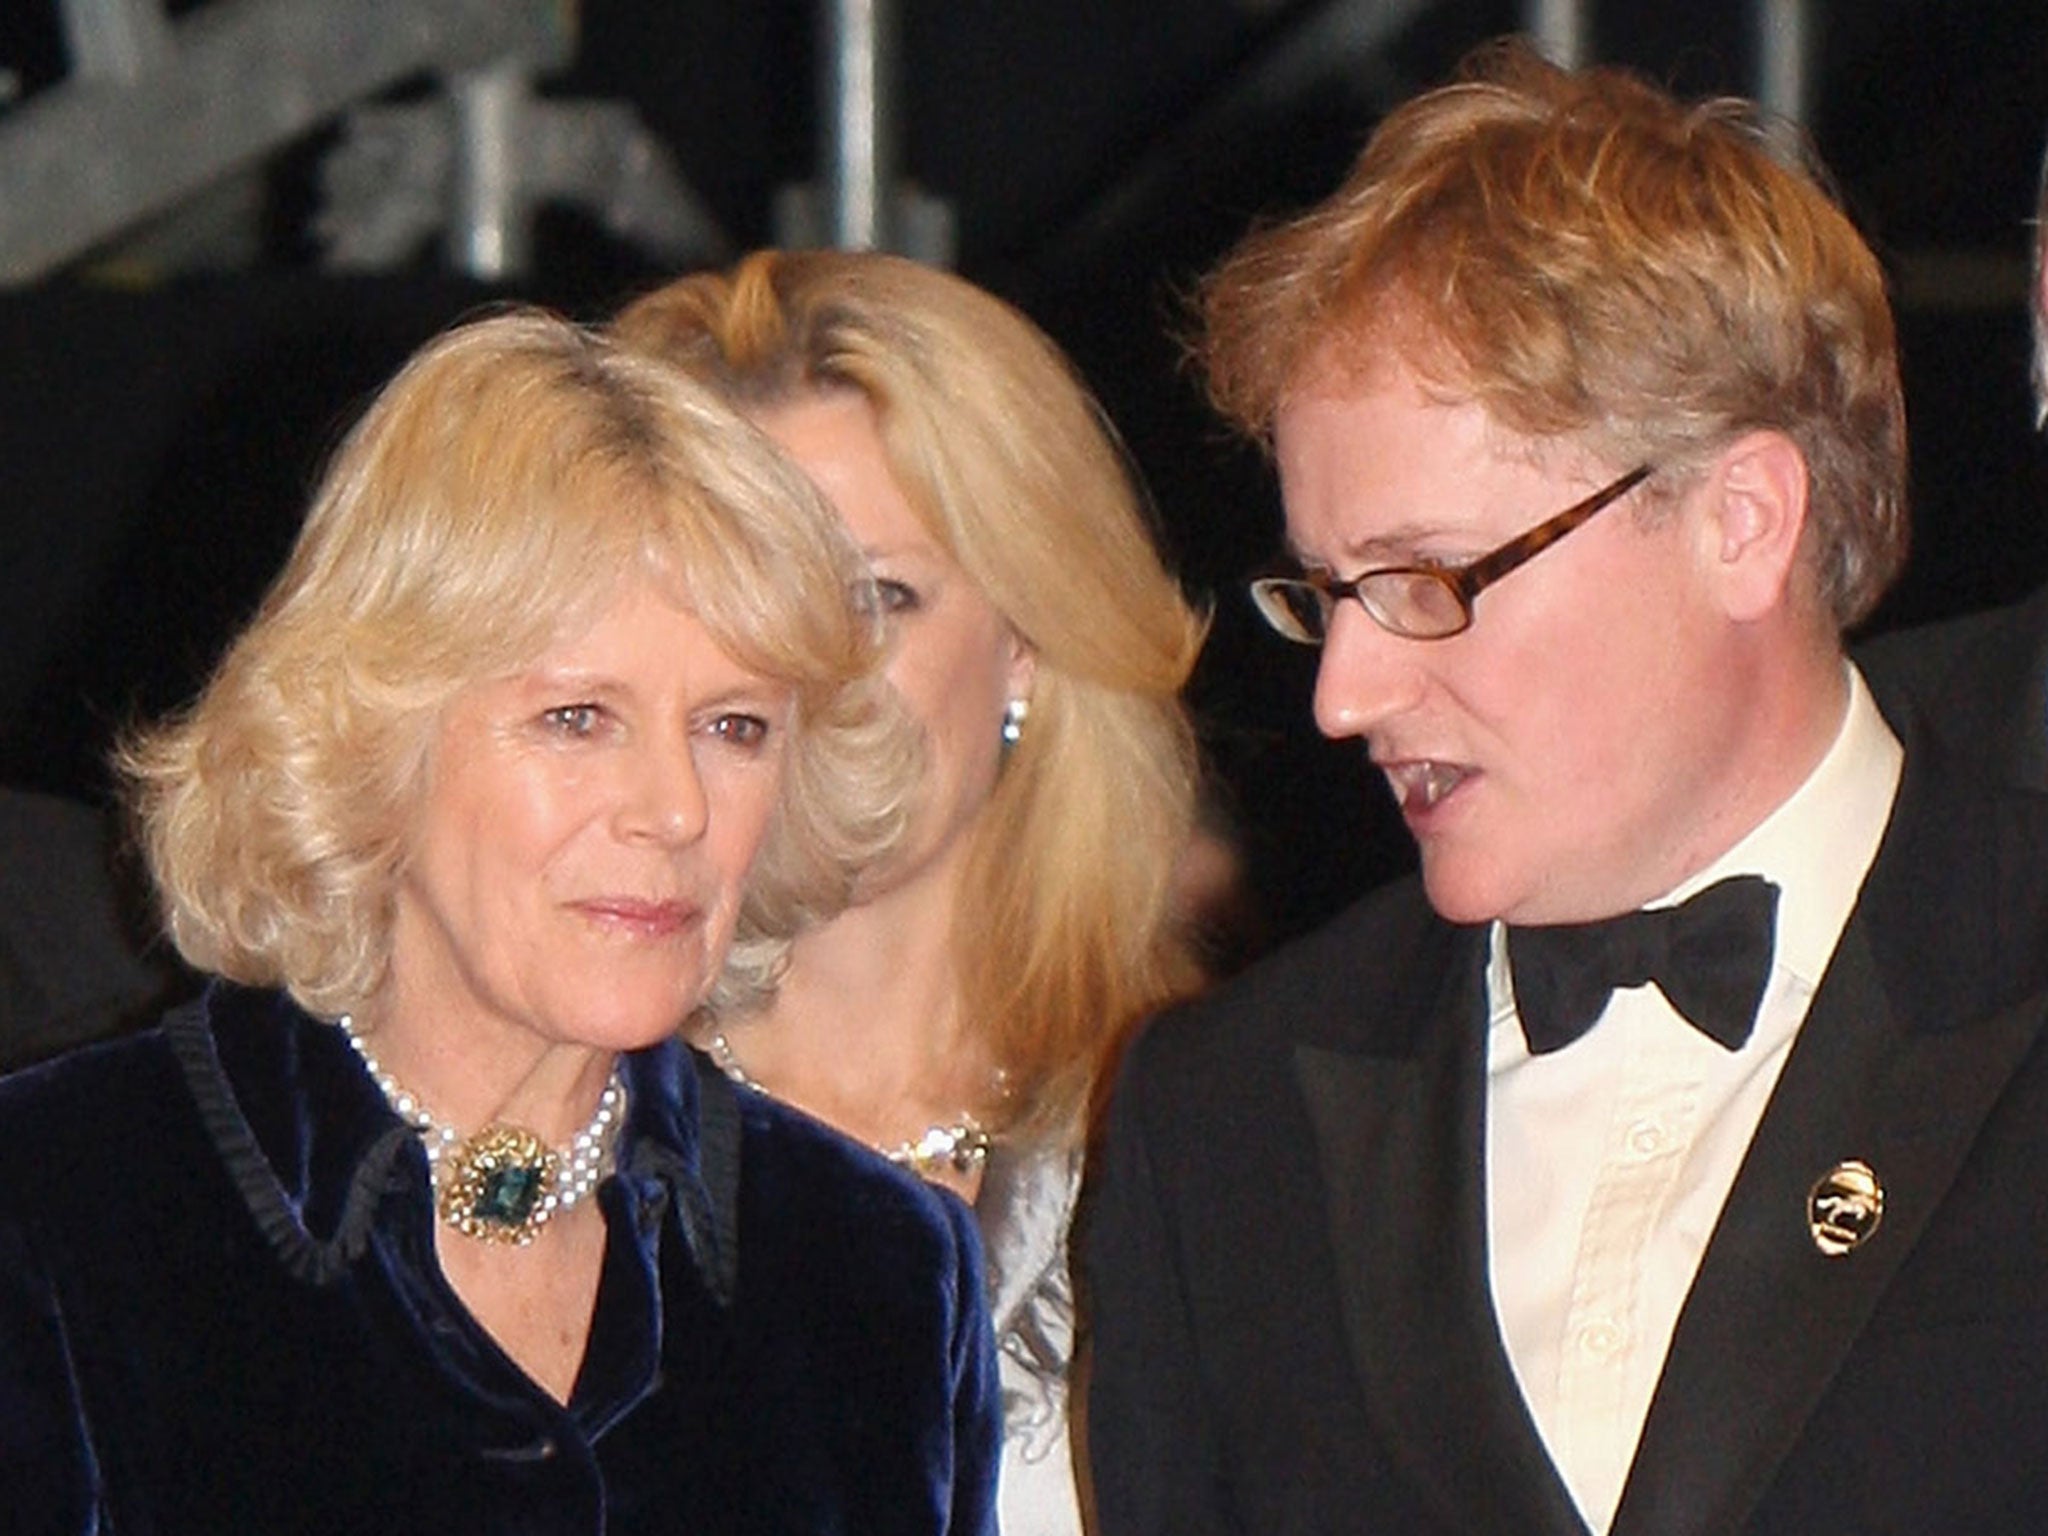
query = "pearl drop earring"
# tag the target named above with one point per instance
(1014, 715)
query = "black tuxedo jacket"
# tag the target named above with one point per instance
(1978, 685)
(1284, 1244)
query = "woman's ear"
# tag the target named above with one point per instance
(1023, 666)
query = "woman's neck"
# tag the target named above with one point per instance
(468, 1078)
(866, 1030)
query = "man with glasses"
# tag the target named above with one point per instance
(1662, 1161)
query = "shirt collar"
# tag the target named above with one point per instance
(1818, 845)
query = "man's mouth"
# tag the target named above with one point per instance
(1421, 784)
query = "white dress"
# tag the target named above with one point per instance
(1024, 1208)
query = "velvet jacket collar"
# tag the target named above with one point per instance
(322, 1161)
(323, 1147)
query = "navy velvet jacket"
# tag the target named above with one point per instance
(220, 1312)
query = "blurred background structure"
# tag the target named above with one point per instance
(222, 222)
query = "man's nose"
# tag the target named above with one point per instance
(1366, 674)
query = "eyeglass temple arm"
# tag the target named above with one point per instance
(1472, 579)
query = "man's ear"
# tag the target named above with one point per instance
(1755, 511)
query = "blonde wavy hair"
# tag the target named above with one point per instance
(1592, 259)
(1066, 934)
(494, 497)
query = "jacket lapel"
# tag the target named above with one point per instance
(1917, 1027)
(1771, 1316)
(1399, 1137)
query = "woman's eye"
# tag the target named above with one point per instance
(893, 596)
(577, 720)
(741, 730)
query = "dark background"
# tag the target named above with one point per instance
(159, 431)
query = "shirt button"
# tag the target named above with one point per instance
(1646, 1138)
(1602, 1339)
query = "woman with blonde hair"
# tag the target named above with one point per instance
(957, 1016)
(561, 716)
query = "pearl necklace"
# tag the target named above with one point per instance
(503, 1184)
(960, 1148)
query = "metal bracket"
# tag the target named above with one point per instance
(157, 111)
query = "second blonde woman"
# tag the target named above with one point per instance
(958, 1015)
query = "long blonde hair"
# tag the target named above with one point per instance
(1066, 934)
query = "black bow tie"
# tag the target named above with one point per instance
(1710, 955)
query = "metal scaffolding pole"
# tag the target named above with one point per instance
(115, 39)
(858, 86)
(1560, 30)
(490, 233)
(1784, 48)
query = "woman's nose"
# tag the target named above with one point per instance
(667, 801)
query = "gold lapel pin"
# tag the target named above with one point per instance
(1844, 1207)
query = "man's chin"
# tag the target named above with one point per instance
(1460, 895)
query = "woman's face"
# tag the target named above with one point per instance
(953, 658)
(576, 864)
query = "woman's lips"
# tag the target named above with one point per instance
(637, 915)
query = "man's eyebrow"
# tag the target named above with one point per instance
(1395, 546)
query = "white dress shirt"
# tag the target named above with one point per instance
(1608, 1161)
